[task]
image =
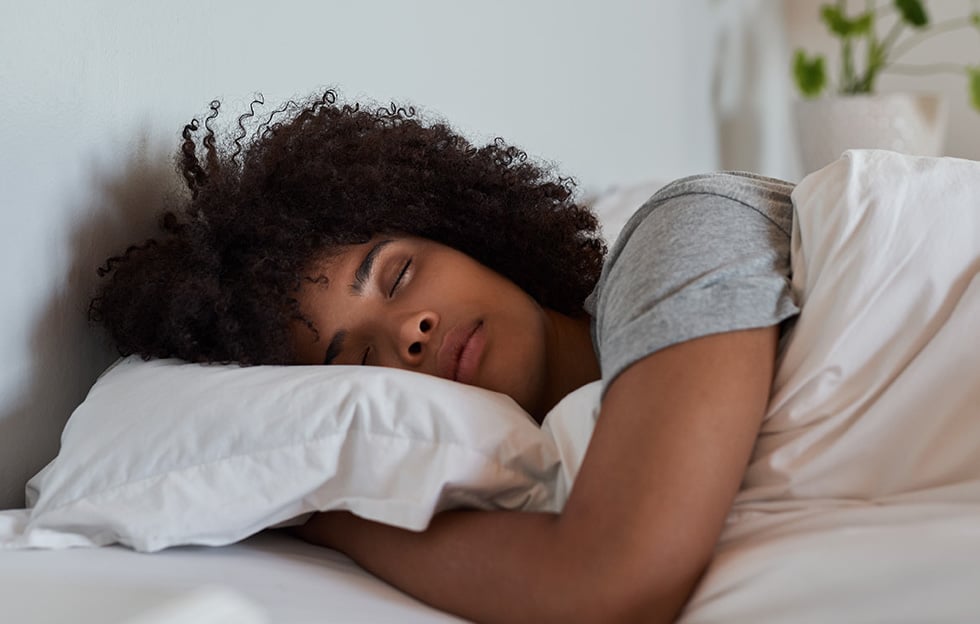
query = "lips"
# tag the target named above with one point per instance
(469, 356)
(459, 355)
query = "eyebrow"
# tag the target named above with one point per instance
(363, 271)
(335, 347)
(361, 276)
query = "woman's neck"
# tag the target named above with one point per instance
(571, 358)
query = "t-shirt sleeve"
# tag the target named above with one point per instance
(706, 255)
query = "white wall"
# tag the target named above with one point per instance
(95, 93)
(963, 47)
(751, 90)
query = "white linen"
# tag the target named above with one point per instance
(569, 425)
(164, 453)
(282, 578)
(40, 600)
(862, 499)
(877, 396)
(849, 561)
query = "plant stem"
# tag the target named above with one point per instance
(847, 54)
(847, 76)
(890, 38)
(873, 49)
(941, 27)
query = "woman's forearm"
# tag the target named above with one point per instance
(489, 567)
(453, 565)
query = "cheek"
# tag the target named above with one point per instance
(518, 369)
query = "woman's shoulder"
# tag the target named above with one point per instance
(711, 208)
(726, 183)
(767, 196)
(706, 254)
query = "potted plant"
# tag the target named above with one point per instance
(911, 123)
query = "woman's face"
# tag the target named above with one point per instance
(410, 303)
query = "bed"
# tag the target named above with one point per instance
(270, 577)
(798, 570)
(861, 501)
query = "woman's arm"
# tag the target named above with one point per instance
(664, 464)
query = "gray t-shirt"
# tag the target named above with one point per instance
(706, 254)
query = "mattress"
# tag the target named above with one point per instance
(271, 577)
(846, 561)
(843, 561)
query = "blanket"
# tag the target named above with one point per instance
(861, 502)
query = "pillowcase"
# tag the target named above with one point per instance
(876, 394)
(861, 500)
(163, 453)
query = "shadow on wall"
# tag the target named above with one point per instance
(751, 90)
(122, 208)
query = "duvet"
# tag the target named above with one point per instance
(862, 499)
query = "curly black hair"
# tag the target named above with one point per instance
(220, 281)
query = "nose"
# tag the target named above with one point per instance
(415, 335)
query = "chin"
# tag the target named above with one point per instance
(528, 397)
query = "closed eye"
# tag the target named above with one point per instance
(398, 281)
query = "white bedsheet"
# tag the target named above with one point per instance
(287, 581)
(845, 561)
(841, 562)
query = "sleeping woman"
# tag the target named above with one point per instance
(338, 234)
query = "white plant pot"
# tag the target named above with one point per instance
(903, 122)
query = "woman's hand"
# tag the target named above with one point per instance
(664, 464)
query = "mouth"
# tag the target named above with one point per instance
(459, 356)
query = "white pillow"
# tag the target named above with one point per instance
(570, 424)
(877, 396)
(862, 499)
(163, 453)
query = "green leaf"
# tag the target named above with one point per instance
(841, 26)
(834, 18)
(810, 75)
(974, 73)
(861, 25)
(912, 12)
